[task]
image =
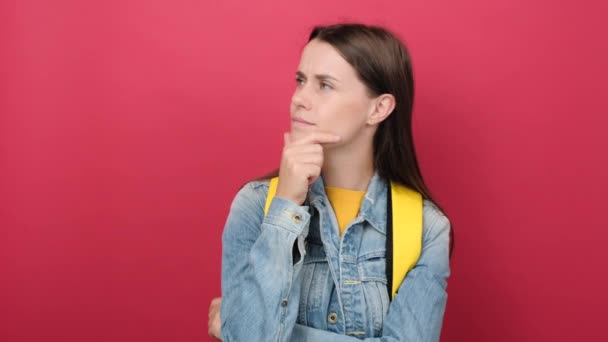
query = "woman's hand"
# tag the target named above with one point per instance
(215, 323)
(301, 164)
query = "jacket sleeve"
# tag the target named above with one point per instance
(416, 313)
(261, 266)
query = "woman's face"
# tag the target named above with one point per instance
(328, 94)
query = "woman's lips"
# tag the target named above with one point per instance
(301, 122)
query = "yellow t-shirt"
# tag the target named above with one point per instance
(346, 204)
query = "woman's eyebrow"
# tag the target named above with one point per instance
(320, 77)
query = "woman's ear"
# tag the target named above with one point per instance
(382, 107)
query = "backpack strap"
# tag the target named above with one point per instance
(403, 235)
(272, 190)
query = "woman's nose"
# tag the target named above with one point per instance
(301, 98)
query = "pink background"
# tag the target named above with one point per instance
(126, 128)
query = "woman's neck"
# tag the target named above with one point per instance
(349, 167)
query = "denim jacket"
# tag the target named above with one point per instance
(290, 276)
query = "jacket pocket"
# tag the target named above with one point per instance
(315, 271)
(372, 272)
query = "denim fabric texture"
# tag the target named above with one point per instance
(290, 276)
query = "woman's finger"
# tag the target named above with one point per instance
(317, 138)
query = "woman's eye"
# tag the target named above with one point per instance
(325, 85)
(322, 85)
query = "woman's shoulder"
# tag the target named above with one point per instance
(257, 186)
(247, 208)
(252, 194)
(258, 183)
(431, 208)
(434, 219)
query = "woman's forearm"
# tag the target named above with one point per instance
(260, 278)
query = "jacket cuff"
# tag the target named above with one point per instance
(288, 215)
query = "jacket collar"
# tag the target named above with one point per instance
(373, 207)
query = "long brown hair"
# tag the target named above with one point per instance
(383, 64)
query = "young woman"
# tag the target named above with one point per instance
(312, 266)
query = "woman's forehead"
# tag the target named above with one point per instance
(319, 57)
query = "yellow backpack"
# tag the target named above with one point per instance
(403, 237)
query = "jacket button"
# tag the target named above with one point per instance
(297, 218)
(332, 318)
(284, 303)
